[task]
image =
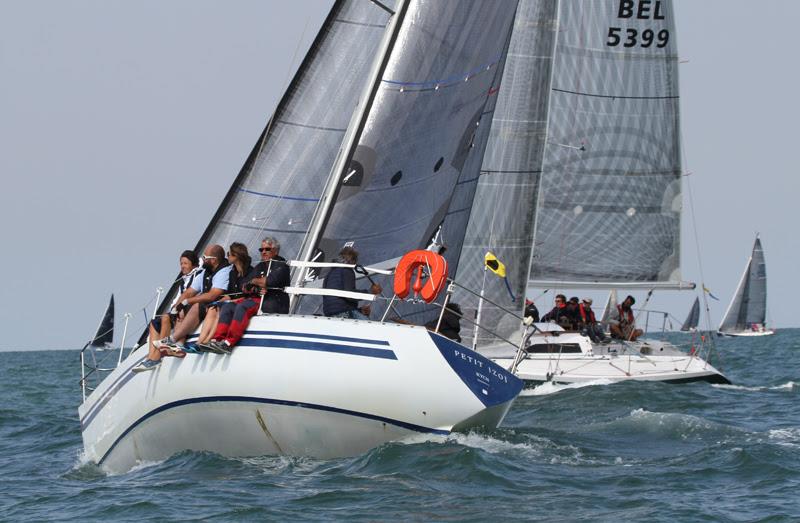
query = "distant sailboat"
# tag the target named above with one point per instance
(105, 331)
(747, 313)
(611, 306)
(690, 325)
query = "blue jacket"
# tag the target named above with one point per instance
(342, 279)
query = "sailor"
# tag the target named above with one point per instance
(451, 322)
(531, 311)
(161, 326)
(344, 279)
(203, 291)
(265, 288)
(623, 324)
(572, 314)
(588, 322)
(241, 273)
(558, 313)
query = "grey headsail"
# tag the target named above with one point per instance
(419, 134)
(610, 308)
(693, 319)
(749, 304)
(105, 331)
(279, 186)
(610, 203)
(504, 207)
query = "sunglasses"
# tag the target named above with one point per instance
(209, 257)
(264, 249)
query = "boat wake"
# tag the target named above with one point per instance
(789, 385)
(551, 388)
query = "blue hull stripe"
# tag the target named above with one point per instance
(368, 352)
(316, 346)
(318, 336)
(270, 401)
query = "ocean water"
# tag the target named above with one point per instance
(599, 452)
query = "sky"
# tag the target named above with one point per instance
(123, 124)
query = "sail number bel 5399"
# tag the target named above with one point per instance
(631, 37)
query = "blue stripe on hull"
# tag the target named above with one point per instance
(316, 346)
(270, 401)
(317, 336)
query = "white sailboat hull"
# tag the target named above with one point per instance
(641, 361)
(296, 385)
(747, 334)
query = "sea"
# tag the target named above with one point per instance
(595, 452)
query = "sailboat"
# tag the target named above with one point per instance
(747, 312)
(693, 319)
(104, 336)
(581, 185)
(377, 141)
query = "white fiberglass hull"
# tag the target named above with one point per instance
(296, 385)
(642, 361)
(747, 334)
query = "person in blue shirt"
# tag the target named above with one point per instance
(207, 289)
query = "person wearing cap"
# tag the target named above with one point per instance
(588, 322)
(344, 278)
(623, 325)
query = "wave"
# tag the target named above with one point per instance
(551, 388)
(789, 385)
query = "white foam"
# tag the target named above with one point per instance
(551, 388)
(789, 385)
(788, 437)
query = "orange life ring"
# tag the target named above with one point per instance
(416, 261)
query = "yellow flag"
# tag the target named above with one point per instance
(494, 265)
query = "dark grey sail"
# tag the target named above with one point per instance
(693, 319)
(419, 136)
(279, 186)
(749, 304)
(610, 201)
(504, 207)
(105, 331)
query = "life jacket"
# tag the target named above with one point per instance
(584, 315)
(627, 318)
(208, 276)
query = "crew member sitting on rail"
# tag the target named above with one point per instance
(265, 288)
(241, 273)
(344, 278)
(161, 326)
(623, 324)
(203, 291)
(588, 322)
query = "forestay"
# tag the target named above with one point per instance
(610, 201)
(505, 202)
(421, 135)
(749, 305)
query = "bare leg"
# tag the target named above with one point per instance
(209, 325)
(152, 352)
(188, 324)
(166, 326)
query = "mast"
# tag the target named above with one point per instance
(349, 143)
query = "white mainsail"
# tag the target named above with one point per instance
(748, 308)
(610, 199)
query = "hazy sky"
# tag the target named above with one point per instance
(122, 125)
